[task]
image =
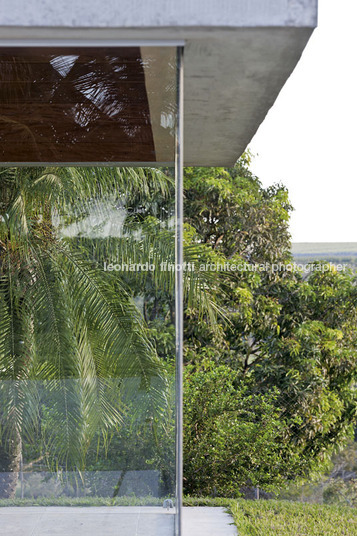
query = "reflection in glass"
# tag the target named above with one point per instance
(87, 315)
(87, 105)
(87, 338)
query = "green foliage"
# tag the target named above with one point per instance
(336, 486)
(229, 433)
(71, 336)
(130, 500)
(280, 518)
(312, 360)
(232, 213)
(288, 337)
(341, 492)
(206, 501)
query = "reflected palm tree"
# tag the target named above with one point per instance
(81, 105)
(69, 332)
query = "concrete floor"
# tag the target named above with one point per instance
(207, 521)
(86, 521)
(111, 521)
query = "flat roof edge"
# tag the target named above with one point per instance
(158, 13)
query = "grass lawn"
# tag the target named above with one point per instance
(284, 518)
(83, 501)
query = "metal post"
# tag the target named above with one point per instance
(179, 291)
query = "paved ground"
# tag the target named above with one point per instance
(111, 521)
(207, 521)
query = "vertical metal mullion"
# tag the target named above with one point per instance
(179, 292)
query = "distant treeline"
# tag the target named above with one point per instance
(333, 252)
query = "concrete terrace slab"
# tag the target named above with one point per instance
(238, 54)
(86, 521)
(113, 521)
(207, 521)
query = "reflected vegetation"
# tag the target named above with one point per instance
(83, 105)
(87, 356)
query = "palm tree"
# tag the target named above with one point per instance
(69, 333)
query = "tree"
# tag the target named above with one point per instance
(282, 333)
(231, 211)
(311, 357)
(230, 433)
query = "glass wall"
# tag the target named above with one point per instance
(87, 290)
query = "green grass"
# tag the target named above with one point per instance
(284, 518)
(206, 501)
(84, 501)
(107, 501)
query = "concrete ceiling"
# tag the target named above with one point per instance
(238, 54)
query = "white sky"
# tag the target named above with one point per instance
(308, 140)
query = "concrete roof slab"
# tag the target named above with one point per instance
(238, 54)
(158, 13)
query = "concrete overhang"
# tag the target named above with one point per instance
(238, 54)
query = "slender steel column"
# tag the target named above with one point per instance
(179, 292)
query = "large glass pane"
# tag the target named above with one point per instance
(74, 105)
(87, 291)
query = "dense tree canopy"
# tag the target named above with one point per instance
(283, 333)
